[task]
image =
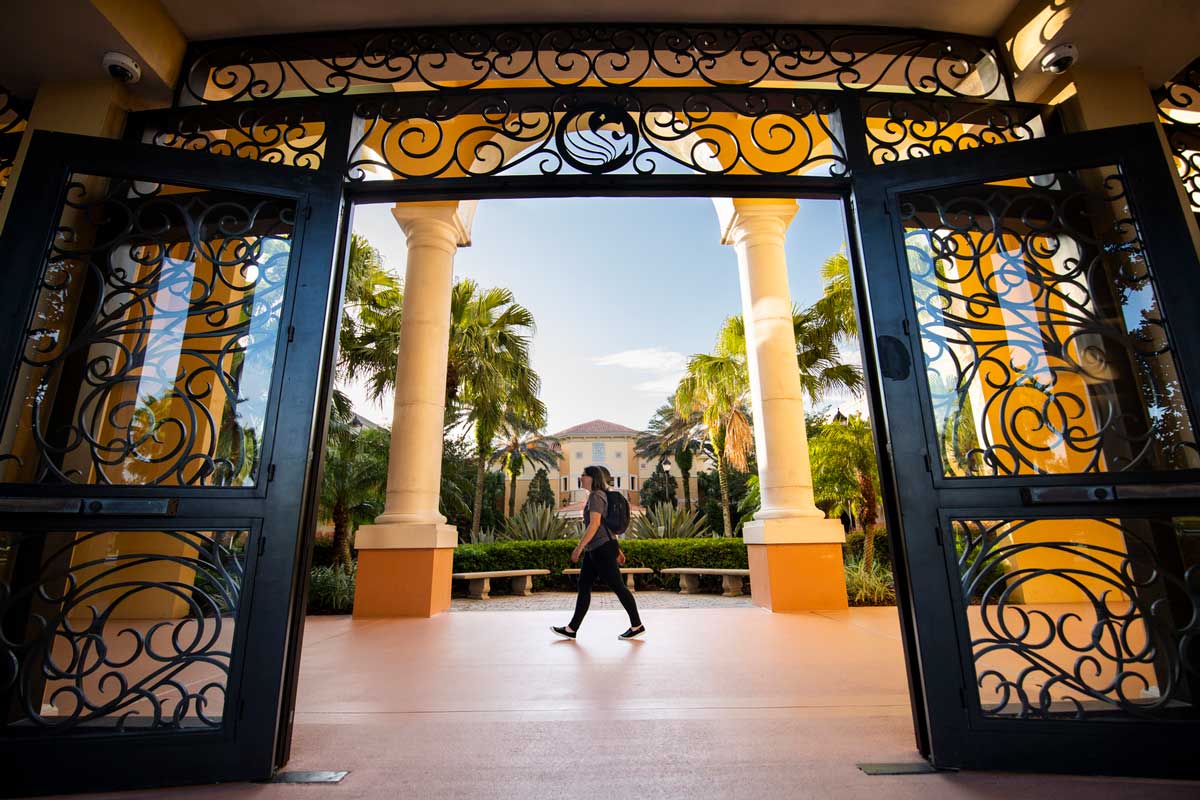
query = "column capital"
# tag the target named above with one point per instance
(743, 219)
(442, 224)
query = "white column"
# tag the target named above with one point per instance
(788, 515)
(411, 518)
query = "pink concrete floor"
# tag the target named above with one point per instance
(713, 703)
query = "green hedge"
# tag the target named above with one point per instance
(555, 556)
(331, 590)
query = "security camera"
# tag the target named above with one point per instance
(1058, 59)
(122, 67)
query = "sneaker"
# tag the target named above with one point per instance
(632, 632)
(563, 632)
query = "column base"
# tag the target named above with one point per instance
(796, 564)
(404, 570)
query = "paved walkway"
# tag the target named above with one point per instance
(714, 703)
(601, 601)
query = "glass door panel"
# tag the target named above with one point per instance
(1044, 342)
(148, 357)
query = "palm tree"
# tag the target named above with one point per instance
(516, 444)
(718, 385)
(836, 306)
(717, 388)
(371, 315)
(354, 480)
(488, 369)
(671, 435)
(846, 477)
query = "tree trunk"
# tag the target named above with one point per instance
(723, 480)
(341, 537)
(867, 518)
(687, 489)
(477, 506)
(868, 556)
(512, 496)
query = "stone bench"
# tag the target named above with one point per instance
(628, 572)
(479, 584)
(689, 579)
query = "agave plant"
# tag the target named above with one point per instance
(663, 521)
(537, 522)
(484, 537)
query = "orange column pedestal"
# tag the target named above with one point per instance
(797, 577)
(409, 582)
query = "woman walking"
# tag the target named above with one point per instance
(601, 556)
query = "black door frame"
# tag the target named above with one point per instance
(245, 745)
(870, 239)
(926, 501)
(826, 189)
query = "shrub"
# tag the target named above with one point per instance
(710, 497)
(555, 555)
(854, 545)
(662, 521)
(323, 552)
(331, 590)
(537, 523)
(540, 493)
(874, 588)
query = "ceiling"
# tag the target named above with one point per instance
(215, 19)
(64, 39)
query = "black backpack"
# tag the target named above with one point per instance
(616, 518)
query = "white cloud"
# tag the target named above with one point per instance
(667, 367)
(646, 358)
(662, 385)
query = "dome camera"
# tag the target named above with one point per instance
(1058, 60)
(122, 67)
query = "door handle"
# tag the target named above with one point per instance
(1033, 496)
(123, 506)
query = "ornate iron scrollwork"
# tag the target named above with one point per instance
(1045, 349)
(14, 113)
(1071, 618)
(292, 135)
(129, 630)
(910, 127)
(148, 358)
(480, 134)
(919, 62)
(1179, 109)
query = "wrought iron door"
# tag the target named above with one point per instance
(164, 314)
(1034, 306)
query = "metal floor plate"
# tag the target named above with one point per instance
(310, 776)
(898, 768)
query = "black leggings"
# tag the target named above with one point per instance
(602, 562)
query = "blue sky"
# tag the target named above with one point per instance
(623, 290)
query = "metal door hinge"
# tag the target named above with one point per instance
(270, 472)
(937, 531)
(927, 460)
(262, 544)
(291, 333)
(904, 325)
